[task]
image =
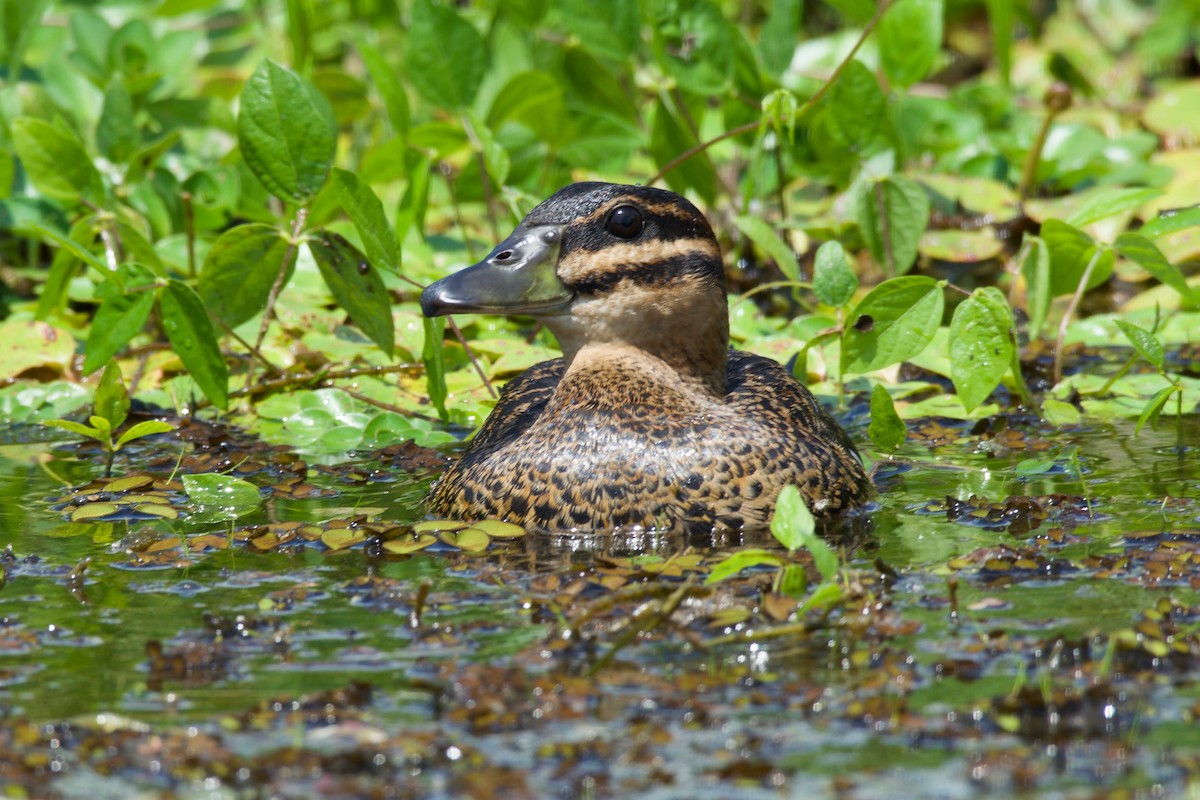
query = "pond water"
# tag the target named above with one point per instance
(1020, 614)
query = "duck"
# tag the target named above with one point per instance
(648, 421)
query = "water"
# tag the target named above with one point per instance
(1046, 645)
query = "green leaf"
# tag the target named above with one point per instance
(119, 318)
(191, 335)
(447, 57)
(240, 269)
(740, 560)
(981, 345)
(834, 282)
(1154, 407)
(433, 356)
(63, 267)
(1145, 342)
(55, 160)
(390, 89)
(112, 398)
(793, 526)
(1139, 249)
(535, 100)
(365, 210)
(21, 18)
(286, 132)
(1071, 250)
(1109, 203)
(495, 158)
(892, 214)
(910, 39)
(770, 244)
(147, 427)
(887, 430)
(856, 108)
(75, 427)
(1035, 268)
(221, 497)
(101, 424)
(357, 286)
(893, 323)
(1059, 413)
(116, 135)
(668, 139)
(1170, 222)
(76, 249)
(780, 35)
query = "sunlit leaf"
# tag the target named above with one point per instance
(240, 269)
(1146, 254)
(910, 39)
(1035, 269)
(981, 345)
(365, 210)
(286, 132)
(892, 214)
(1153, 408)
(434, 359)
(447, 57)
(194, 341)
(770, 244)
(112, 398)
(740, 560)
(886, 429)
(147, 427)
(357, 286)
(834, 282)
(55, 160)
(856, 108)
(221, 496)
(894, 322)
(1071, 251)
(1145, 342)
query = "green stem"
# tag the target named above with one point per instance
(1070, 312)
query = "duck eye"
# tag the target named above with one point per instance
(624, 222)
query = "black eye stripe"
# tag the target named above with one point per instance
(697, 264)
(663, 227)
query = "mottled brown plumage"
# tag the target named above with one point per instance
(648, 420)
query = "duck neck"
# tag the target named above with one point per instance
(688, 347)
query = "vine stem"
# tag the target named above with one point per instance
(276, 288)
(1070, 312)
(809, 104)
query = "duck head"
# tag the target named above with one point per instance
(608, 266)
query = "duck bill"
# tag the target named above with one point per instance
(518, 277)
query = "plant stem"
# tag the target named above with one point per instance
(1070, 312)
(276, 288)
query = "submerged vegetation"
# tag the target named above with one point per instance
(971, 226)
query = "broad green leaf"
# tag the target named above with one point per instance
(1154, 407)
(892, 214)
(1170, 222)
(147, 427)
(365, 210)
(55, 160)
(1059, 413)
(434, 358)
(610, 29)
(1035, 268)
(1145, 342)
(191, 335)
(76, 427)
(981, 345)
(894, 322)
(886, 430)
(240, 269)
(740, 560)
(221, 497)
(447, 57)
(101, 424)
(668, 139)
(116, 135)
(535, 100)
(390, 89)
(910, 39)
(1071, 251)
(1111, 202)
(793, 526)
(694, 44)
(834, 282)
(357, 286)
(120, 317)
(1137, 248)
(780, 35)
(20, 19)
(112, 398)
(286, 132)
(495, 158)
(857, 107)
(770, 244)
